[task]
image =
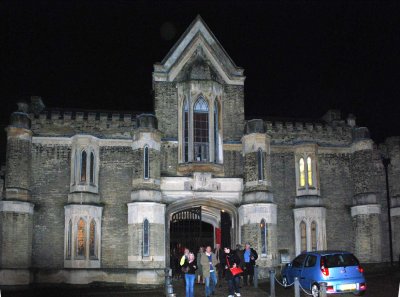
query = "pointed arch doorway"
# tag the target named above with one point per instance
(203, 223)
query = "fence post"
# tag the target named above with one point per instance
(272, 282)
(255, 277)
(296, 287)
(169, 289)
(322, 290)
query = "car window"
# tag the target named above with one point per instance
(340, 260)
(298, 262)
(311, 261)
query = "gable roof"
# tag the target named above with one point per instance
(198, 35)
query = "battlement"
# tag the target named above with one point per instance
(70, 122)
(290, 132)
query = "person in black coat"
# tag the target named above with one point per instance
(230, 260)
(249, 256)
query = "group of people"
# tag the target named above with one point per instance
(213, 265)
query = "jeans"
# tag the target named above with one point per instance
(189, 278)
(233, 284)
(211, 282)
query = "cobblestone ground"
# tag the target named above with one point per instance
(383, 285)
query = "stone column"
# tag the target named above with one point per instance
(16, 210)
(366, 212)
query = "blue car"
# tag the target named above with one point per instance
(341, 271)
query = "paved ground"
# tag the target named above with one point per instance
(383, 285)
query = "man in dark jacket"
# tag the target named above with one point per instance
(230, 260)
(250, 256)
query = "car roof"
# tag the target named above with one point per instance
(326, 252)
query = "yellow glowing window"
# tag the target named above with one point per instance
(81, 248)
(309, 172)
(302, 173)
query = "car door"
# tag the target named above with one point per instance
(308, 272)
(297, 267)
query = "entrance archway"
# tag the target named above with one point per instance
(195, 223)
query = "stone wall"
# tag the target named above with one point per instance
(51, 169)
(166, 108)
(169, 158)
(233, 112)
(233, 163)
(18, 163)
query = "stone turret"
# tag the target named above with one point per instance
(367, 172)
(146, 212)
(16, 210)
(258, 214)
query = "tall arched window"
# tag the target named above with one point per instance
(302, 173)
(216, 133)
(260, 161)
(83, 166)
(146, 238)
(264, 237)
(146, 163)
(309, 172)
(314, 236)
(303, 234)
(91, 168)
(69, 240)
(81, 239)
(185, 119)
(200, 130)
(92, 240)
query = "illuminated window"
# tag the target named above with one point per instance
(69, 240)
(260, 161)
(92, 239)
(146, 238)
(264, 237)
(313, 236)
(303, 233)
(200, 131)
(81, 239)
(302, 173)
(146, 163)
(309, 172)
(83, 166)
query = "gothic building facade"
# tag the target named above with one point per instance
(107, 197)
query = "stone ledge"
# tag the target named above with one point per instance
(10, 277)
(16, 207)
(189, 168)
(365, 209)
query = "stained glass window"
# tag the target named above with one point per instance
(91, 168)
(186, 130)
(81, 239)
(69, 240)
(216, 134)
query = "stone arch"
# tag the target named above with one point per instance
(206, 203)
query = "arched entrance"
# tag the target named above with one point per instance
(199, 223)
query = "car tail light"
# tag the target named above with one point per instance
(324, 270)
(329, 289)
(362, 287)
(360, 269)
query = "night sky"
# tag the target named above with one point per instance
(300, 58)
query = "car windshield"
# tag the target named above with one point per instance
(340, 260)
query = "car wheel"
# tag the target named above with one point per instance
(315, 290)
(285, 282)
(360, 293)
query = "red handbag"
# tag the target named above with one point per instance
(234, 270)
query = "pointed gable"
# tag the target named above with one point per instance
(198, 37)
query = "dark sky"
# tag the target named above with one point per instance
(300, 58)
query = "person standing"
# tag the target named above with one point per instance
(190, 267)
(230, 260)
(184, 258)
(239, 254)
(199, 271)
(250, 256)
(219, 253)
(208, 263)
